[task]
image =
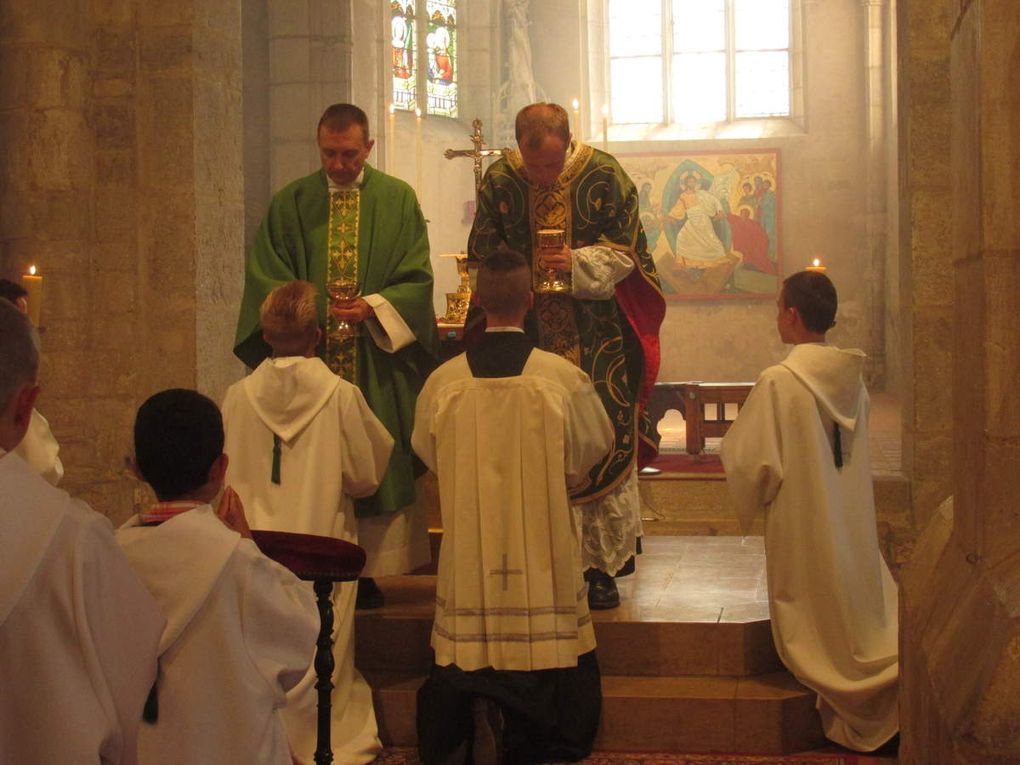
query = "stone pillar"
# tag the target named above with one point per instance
(120, 174)
(960, 630)
(925, 278)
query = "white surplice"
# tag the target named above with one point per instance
(331, 448)
(510, 593)
(240, 633)
(832, 599)
(40, 449)
(78, 631)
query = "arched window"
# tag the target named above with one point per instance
(431, 67)
(698, 62)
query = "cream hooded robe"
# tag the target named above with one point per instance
(832, 599)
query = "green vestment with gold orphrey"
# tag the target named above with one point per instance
(595, 203)
(377, 235)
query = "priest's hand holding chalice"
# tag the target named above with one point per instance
(346, 307)
(554, 258)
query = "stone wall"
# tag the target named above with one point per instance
(960, 633)
(120, 128)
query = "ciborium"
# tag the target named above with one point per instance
(457, 303)
(342, 290)
(552, 281)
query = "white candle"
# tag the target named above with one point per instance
(605, 128)
(32, 282)
(391, 140)
(418, 153)
(577, 119)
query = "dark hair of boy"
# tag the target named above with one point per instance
(178, 436)
(814, 296)
(504, 282)
(12, 290)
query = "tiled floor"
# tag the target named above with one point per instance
(884, 422)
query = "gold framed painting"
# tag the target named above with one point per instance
(712, 221)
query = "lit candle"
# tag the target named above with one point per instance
(577, 118)
(391, 140)
(816, 266)
(605, 128)
(32, 283)
(418, 143)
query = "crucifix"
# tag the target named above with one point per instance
(505, 572)
(477, 154)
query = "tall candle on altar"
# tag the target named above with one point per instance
(418, 153)
(391, 139)
(577, 119)
(605, 128)
(32, 282)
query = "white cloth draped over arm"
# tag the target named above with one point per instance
(752, 454)
(281, 624)
(589, 433)
(387, 328)
(596, 270)
(40, 449)
(367, 446)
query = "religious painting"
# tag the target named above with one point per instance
(441, 47)
(403, 66)
(712, 221)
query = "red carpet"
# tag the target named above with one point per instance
(683, 466)
(408, 756)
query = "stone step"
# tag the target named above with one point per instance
(396, 638)
(767, 714)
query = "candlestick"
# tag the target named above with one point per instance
(577, 119)
(816, 266)
(605, 128)
(391, 139)
(32, 282)
(418, 153)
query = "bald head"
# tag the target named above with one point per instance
(537, 122)
(504, 288)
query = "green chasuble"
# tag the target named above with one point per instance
(595, 202)
(392, 260)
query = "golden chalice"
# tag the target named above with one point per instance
(552, 281)
(342, 290)
(458, 303)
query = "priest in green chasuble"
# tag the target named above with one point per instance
(349, 223)
(605, 318)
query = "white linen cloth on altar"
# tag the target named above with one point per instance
(78, 631)
(510, 593)
(240, 633)
(832, 599)
(331, 448)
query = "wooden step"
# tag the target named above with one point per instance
(767, 714)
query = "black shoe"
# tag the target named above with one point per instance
(602, 592)
(369, 594)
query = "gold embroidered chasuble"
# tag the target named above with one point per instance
(342, 264)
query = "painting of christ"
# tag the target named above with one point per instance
(712, 221)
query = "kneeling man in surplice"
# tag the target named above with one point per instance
(507, 428)
(799, 449)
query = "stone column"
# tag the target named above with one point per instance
(925, 278)
(960, 629)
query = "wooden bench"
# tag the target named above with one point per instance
(689, 398)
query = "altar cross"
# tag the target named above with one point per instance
(477, 153)
(505, 572)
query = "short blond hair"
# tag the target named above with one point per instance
(289, 317)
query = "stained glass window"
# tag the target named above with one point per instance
(403, 34)
(441, 47)
(698, 62)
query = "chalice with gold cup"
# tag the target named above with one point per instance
(552, 281)
(342, 289)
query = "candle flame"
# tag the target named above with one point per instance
(31, 270)
(417, 113)
(576, 104)
(605, 110)
(393, 108)
(816, 262)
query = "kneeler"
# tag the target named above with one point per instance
(323, 561)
